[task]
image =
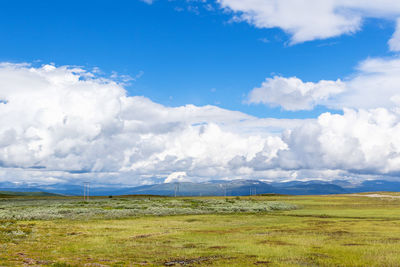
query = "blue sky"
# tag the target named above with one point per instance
(187, 57)
(137, 92)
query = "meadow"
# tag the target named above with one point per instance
(335, 230)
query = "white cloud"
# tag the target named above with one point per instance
(293, 94)
(308, 20)
(364, 141)
(375, 84)
(64, 123)
(176, 177)
(394, 42)
(65, 119)
(357, 143)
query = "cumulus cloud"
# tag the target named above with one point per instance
(176, 177)
(375, 84)
(60, 124)
(359, 142)
(311, 19)
(294, 94)
(363, 141)
(65, 119)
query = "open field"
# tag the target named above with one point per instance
(340, 230)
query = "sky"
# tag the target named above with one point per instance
(139, 92)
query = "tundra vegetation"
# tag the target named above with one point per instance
(337, 230)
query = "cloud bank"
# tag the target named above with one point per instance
(63, 124)
(65, 119)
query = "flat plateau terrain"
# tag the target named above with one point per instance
(335, 230)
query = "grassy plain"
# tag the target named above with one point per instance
(339, 230)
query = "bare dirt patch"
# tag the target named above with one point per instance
(276, 243)
(262, 263)
(218, 247)
(184, 262)
(30, 261)
(190, 245)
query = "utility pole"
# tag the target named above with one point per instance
(223, 188)
(86, 191)
(253, 191)
(176, 189)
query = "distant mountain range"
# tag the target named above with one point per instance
(215, 188)
(30, 194)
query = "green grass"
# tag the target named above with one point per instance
(323, 231)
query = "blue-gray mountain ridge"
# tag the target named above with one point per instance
(215, 188)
